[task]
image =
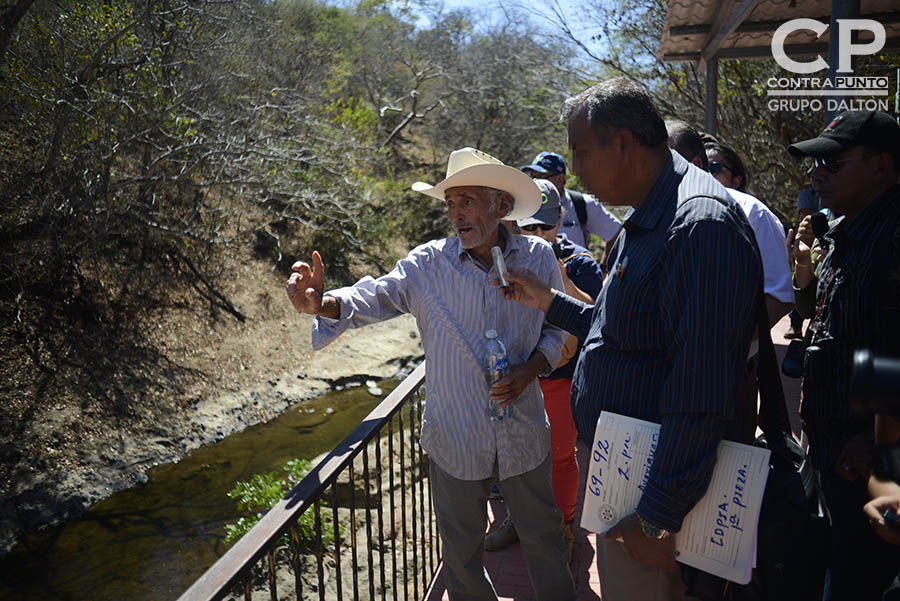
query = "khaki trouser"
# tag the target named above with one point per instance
(461, 512)
(624, 579)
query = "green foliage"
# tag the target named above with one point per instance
(262, 491)
(415, 217)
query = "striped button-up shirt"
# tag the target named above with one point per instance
(667, 338)
(454, 301)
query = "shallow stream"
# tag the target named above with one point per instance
(152, 542)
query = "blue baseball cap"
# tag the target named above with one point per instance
(547, 163)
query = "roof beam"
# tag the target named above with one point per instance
(765, 51)
(723, 26)
(770, 26)
(711, 124)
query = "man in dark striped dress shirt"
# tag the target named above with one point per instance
(853, 303)
(668, 336)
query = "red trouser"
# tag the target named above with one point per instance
(562, 444)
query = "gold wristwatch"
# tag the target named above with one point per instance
(652, 531)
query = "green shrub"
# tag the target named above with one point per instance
(261, 492)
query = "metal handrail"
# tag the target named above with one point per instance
(235, 566)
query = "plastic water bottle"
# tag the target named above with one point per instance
(496, 366)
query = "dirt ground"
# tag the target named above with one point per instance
(218, 376)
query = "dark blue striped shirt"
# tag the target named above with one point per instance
(667, 338)
(858, 307)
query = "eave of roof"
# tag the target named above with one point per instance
(728, 29)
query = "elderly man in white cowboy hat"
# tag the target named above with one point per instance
(448, 285)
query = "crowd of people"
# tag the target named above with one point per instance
(664, 328)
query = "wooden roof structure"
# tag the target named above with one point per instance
(706, 31)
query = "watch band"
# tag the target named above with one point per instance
(652, 531)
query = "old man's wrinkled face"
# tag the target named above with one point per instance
(474, 217)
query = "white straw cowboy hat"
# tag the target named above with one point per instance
(471, 167)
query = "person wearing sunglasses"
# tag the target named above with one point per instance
(853, 301)
(727, 167)
(582, 279)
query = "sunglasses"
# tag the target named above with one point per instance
(533, 227)
(715, 167)
(832, 165)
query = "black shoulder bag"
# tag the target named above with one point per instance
(792, 537)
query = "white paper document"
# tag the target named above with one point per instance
(719, 534)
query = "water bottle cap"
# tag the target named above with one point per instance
(490, 333)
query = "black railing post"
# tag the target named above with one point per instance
(320, 550)
(380, 515)
(273, 590)
(412, 488)
(366, 476)
(415, 402)
(393, 509)
(295, 560)
(338, 574)
(353, 557)
(403, 506)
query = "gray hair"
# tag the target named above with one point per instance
(620, 103)
(494, 196)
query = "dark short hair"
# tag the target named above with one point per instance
(621, 104)
(733, 160)
(686, 141)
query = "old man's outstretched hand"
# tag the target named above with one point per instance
(306, 285)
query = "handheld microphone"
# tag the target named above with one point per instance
(499, 265)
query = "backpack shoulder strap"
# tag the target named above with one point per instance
(570, 257)
(580, 211)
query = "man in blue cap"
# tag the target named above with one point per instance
(582, 213)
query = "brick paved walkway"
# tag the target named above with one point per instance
(507, 567)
